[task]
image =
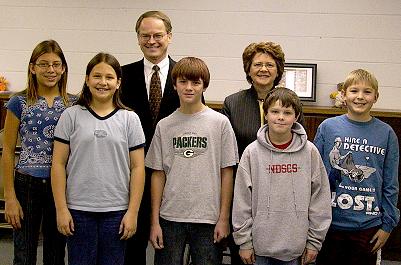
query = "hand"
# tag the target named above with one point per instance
(13, 213)
(380, 237)
(156, 236)
(221, 230)
(247, 256)
(65, 224)
(128, 225)
(309, 256)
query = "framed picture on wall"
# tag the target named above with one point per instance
(301, 78)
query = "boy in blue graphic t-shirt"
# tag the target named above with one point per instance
(361, 157)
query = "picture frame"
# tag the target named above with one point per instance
(301, 78)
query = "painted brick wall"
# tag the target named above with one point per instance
(339, 36)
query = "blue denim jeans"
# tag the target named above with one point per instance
(271, 261)
(36, 199)
(199, 237)
(96, 240)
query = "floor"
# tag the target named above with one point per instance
(6, 251)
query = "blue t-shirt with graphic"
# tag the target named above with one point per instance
(37, 123)
(361, 159)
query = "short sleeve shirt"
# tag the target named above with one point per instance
(192, 149)
(37, 123)
(98, 166)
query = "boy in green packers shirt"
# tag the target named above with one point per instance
(192, 154)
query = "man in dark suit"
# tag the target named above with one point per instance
(154, 34)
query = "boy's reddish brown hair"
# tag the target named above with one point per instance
(191, 68)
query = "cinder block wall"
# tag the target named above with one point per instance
(337, 35)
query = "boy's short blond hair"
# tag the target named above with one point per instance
(286, 96)
(360, 76)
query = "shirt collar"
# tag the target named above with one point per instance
(162, 65)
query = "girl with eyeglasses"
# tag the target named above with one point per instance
(33, 114)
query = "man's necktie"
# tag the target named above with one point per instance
(155, 93)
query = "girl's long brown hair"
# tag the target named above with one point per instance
(31, 91)
(86, 96)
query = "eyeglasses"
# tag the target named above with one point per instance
(46, 65)
(267, 65)
(156, 37)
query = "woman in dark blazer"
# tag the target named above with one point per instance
(264, 66)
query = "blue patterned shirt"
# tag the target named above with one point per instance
(37, 123)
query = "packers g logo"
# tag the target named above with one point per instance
(189, 145)
(188, 153)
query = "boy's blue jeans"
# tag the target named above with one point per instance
(95, 240)
(36, 199)
(271, 261)
(199, 237)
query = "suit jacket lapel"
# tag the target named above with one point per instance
(169, 87)
(143, 95)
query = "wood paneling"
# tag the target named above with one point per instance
(3, 99)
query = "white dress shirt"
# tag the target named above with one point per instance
(163, 72)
